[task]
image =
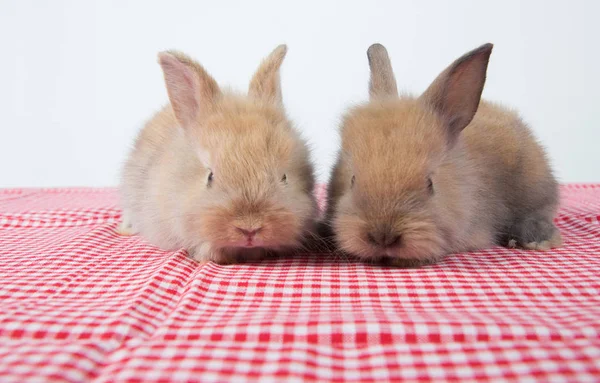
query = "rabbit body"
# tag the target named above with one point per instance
(220, 174)
(420, 177)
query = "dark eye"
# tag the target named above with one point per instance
(430, 185)
(284, 179)
(352, 181)
(209, 179)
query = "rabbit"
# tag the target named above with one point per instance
(223, 175)
(418, 178)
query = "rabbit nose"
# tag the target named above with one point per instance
(248, 232)
(384, 238)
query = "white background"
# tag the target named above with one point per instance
(78, 78)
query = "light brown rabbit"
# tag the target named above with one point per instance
(421, 177)
(220, 174)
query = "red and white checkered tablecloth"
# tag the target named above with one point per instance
(78, 303)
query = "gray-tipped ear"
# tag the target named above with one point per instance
(455, 94)
(265, 83)
(191, 89)
(383, 82)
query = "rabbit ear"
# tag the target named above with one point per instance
(456, 92)
(383, 82)
(266, 83)
(191, 89)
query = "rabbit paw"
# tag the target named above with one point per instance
(205, 253)
(535, 234)
(554, 241)
(126, 228)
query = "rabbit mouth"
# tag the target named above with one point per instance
(255, 243)
(252, 244)
(402, 252)
(408, 255)
(248, 244)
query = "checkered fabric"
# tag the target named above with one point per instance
(78, 303)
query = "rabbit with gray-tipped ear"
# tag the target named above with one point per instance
(421, 177)
(223, 175)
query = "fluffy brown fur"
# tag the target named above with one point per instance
(220, 174)
(420, 177)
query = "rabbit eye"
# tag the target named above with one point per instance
(284, 179)
(209, 179)
(430, 185)
(352, 181)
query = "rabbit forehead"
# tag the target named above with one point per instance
(246, 133)
(396, 137)
(250, 151)
(238, 114)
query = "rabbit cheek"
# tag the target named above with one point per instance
(420, 245)
(421, 241)
(213, 226)
(349, 233)
(282, 228)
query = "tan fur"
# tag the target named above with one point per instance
(491, 181)
(246, 141)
